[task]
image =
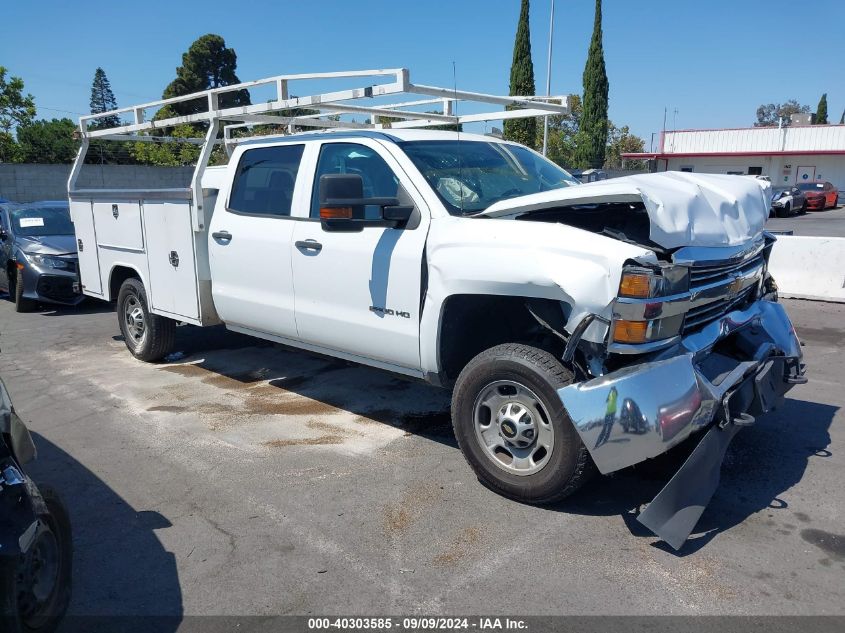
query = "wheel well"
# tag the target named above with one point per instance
(469, 324)
(119, 274)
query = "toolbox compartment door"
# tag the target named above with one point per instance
(172, 284)
(82, 214)
(119, 225)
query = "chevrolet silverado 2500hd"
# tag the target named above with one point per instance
(552, 309)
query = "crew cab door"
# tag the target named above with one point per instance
(360, 292)
(250, 240)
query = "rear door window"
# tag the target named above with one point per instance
(265, 179)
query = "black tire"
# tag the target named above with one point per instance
(803, 208)
(159, 333)
(20, 611)
(784, 212)
(569, 464)
(22, 304)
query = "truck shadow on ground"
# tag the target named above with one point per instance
(87, 306)
(124, 580)
(762, 463)
(260, 369)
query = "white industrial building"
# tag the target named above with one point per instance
(788, 154)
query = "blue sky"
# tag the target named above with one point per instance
(714, 62)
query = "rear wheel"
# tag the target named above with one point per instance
(512, 427)
(149, 337)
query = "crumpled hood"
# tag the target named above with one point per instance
(48, 244)
(684, 209)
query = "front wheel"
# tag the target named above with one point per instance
(783, 212)
(149, 337)
(22, 304)
(36, 592)
(512, 427)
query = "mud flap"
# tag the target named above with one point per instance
(675, 510)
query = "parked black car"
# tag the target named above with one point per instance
(36, 548)
(38, 259)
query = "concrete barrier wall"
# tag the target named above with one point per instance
(809, 267)
(23, 182)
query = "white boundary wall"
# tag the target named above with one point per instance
(809, 267)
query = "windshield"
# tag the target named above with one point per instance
(811, 186)
(469, 176)
(41, 221)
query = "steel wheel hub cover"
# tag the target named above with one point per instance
(513, 427)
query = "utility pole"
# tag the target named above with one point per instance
(548, 80)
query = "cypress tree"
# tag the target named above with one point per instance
(821, 110)
(594, 123)
(522, 82)
(102, 99)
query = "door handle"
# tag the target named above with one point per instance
(309, 245)
(223, 236)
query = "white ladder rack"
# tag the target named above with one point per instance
(394, 81)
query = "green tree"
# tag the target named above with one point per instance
(47, 141)
(621, 141)
(563, 131)
(522, 82)
(168, 153)
(102, 99)
(770, 114)
(592, 139)
(16, 109)
(821, 111)
(208, 63)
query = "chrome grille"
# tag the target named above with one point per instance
(702, 315)
(714, 273)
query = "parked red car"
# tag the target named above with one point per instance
(820, 195)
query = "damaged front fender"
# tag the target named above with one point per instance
(642, 411)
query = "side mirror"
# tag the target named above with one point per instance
(342, 204)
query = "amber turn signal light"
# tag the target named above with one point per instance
(630, 331)
(636, 285)
(335, 213)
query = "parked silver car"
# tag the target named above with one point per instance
(38, 259)
(788, 201)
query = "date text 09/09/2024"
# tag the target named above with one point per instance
(418, 623)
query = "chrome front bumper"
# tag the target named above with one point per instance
(660, 403)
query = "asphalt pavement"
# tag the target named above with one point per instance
(829, 223)
(246, 478)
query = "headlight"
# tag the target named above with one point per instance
(643, 291)
(636, 332)
(48, 261)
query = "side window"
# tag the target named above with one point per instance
(350, 158)
(755, 171)
(264, 180)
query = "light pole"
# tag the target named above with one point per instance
(548, 80)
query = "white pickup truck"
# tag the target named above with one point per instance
(577, 325)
